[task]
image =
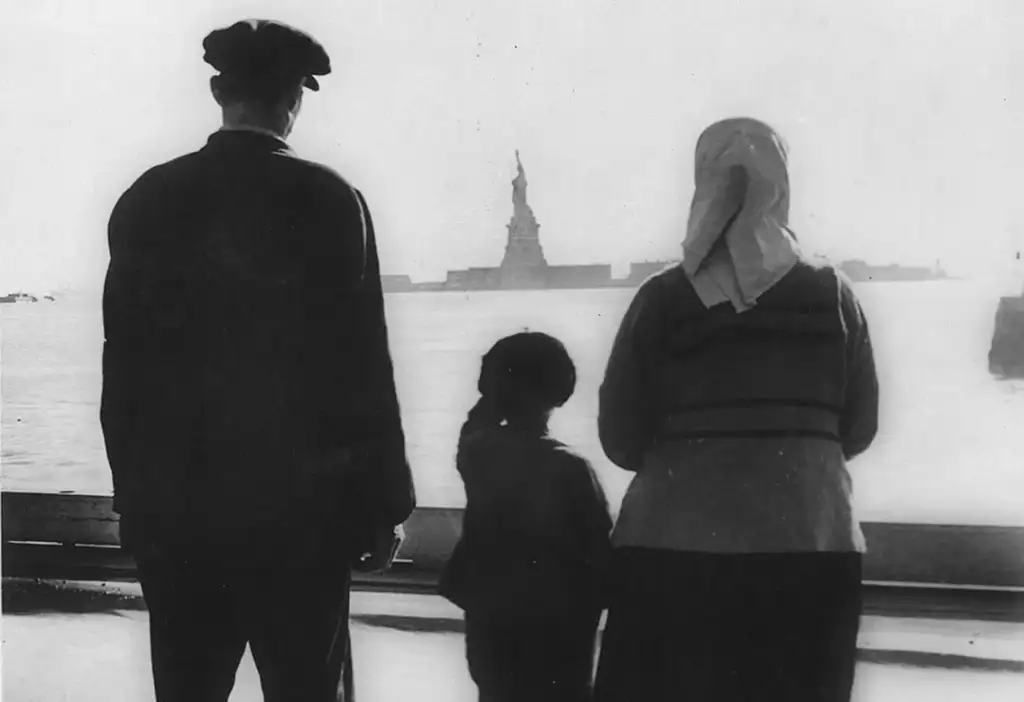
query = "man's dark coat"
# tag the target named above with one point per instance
(249, 404)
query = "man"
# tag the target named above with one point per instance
(249, 404)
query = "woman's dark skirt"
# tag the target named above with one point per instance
(723, 627)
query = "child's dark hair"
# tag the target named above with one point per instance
(523, 376)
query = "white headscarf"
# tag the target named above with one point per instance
(742, 193)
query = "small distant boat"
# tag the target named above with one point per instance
(18, 297)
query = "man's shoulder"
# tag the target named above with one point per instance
(158, 183)
(322, 175)
(318, 169)
(160, 174)
(188, 165)
(180, 175)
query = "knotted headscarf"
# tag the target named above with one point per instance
(737, 242)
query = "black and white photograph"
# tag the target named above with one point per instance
(519, 351)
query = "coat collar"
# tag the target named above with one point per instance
(248, 140)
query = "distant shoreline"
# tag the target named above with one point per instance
(491, 279)
(391, 283)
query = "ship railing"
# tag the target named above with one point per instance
(913, 570)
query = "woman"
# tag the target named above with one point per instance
(739, 385)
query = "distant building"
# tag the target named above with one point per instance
(861, 272)
(474, 279)
(593, 276)
(396, 283)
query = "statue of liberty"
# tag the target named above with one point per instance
(519, 185)
(523, 248)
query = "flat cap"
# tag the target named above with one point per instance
(266, 50)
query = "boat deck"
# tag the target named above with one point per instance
(407, 646)
(944, 612)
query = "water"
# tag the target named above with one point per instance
(950, 449)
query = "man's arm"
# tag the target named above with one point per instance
(859, 423)
(390, 483)
(121, 353)
(625, 413)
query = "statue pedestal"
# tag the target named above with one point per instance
(523, 251)
(1006, 355)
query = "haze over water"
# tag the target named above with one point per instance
(900, 116)
(950, 447)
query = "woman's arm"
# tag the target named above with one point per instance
(859, 423)
(626, 408)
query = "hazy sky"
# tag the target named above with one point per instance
(904, 120)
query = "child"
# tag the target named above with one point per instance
(528, 570)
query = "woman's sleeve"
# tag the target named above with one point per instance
(626, 409)
(859, 423)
